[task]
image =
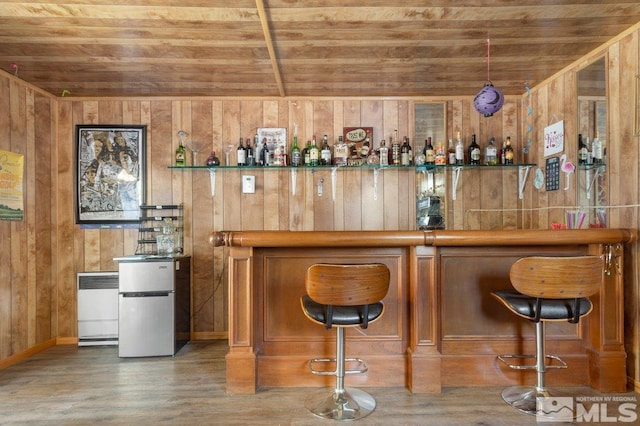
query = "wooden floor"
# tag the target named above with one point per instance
(91, 385)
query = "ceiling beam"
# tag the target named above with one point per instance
(267, 37)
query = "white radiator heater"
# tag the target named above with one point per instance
(97, 308)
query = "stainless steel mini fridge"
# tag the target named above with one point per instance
(153, 305)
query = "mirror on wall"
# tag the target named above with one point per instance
(592, 126)
(592, 108)
(430, 121)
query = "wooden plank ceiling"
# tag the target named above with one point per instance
(299, 47)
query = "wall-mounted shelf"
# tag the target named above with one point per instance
(294, 173)
(523, 172)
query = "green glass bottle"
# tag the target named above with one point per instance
(181, 155)
(296, 155)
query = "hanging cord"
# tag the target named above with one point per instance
(489, 60)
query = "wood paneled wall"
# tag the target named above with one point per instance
(28, 310)
(556, 100)
(44, 252)
(216, 123)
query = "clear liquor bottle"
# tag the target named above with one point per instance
(325, 152)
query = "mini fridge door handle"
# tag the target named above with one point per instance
(146, 294)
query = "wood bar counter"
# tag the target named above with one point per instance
(440, 328)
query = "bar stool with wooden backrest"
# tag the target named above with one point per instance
(340, 296)
(547, 289)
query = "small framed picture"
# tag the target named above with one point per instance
(355, 136)
(110, 173)
(274, 137)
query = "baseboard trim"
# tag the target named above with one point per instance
(16, 358)
(209, 335)
(66, 341)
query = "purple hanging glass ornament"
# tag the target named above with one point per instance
(489, 100)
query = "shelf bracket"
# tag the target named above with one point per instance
(212, 181)
(294, 180)
(457, 171)
(591, 181)
(376, 171)
(523, 173)
(334, 179)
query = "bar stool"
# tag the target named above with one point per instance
(340, 296)
(547, 289)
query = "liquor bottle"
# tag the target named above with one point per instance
(181, 155)
(373, 158)
(491, 153)
(296, 155)
(277, 156)
(405, 152)
(419, 159)
(459, 150)
(589, 151)
(441, 158)
(314, 153)
(451, 152)
(286, 160)
(306, 160)
(583, 151)
(596, 148)
(241, 154)
(325, 152)
(395, 149)
(340, 152)
(474, 151)
(213, 160)
(429, 152)
(366, 147)
(257, 150)
(266, 155)
(383, 153)
(250, 157)
(508, 151)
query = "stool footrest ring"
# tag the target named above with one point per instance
(359, 367)
(504, 358)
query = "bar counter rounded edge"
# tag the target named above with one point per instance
(414, 238)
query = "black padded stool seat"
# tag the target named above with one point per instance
(340, 296)
(547, 289)
(330, 315)
(549, 309)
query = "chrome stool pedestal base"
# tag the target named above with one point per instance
(350, 404)
(525, 399)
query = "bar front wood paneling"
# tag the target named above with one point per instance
(441, 327)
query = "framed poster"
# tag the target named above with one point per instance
(110, 173)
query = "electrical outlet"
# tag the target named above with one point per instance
(248, 184)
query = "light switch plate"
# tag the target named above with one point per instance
(248, 184)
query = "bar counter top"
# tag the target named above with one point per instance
(415, 238)
(441, 327)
